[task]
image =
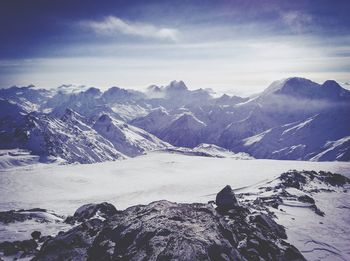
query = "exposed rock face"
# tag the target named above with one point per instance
(225, 199)
(303, 179)
(37, 214)
(164, 230)
(25, 247)
(71, 245)
(88, 211)
(306, 182)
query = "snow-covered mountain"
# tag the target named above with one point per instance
(73, 137)
(124, 122)
(129, 140)
(306, 89)
(184, 131)
(69, 138)
(209, 150)
(304, 140)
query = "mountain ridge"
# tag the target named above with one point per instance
(174, 115)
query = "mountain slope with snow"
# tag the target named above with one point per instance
(68, 138)
(186, 118)
(185, 131)
(182, 179)
(303, 140)
(129, 140)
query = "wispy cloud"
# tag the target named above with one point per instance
(112, 25)
(297, 21)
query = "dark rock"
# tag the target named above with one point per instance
(306, 199)
(22, 215)
(88, 211)
(71, 245)
(292, 253)
(36, 235)
(334, 179)
(226, 199)
(12, 216)
(164, 230)
(297, 179)
(293, 179)
(318, 211)
(273, 201)
(8, 248)
(27, 247)
(44, 239)
(268, 224)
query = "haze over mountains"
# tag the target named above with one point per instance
(294, 119)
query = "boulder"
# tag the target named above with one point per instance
(89, 211)
(36, 235)
(226, 199)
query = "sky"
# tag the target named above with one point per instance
(237, 46)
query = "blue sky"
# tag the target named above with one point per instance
(237, 45)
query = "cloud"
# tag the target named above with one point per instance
(297, 21)
(112, 25)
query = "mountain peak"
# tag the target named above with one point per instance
(302, 88)
(189, 120)
(71, 115)
(177, 86)
(291, 86)
(331, 84)
(71, 88)
(104, 118)
(93, 91)
(154, 88)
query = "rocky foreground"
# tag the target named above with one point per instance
(234, 227)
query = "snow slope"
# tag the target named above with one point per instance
(16, 157)
(321, 137)
(127, 139)
(69, 138)
(154, 176)
(180, 178)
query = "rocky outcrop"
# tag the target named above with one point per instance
(24, 247)
(234, 227)
(165, 230)
(36, 214)
(89, 211)
(305, 182)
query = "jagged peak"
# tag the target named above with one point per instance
(188, 118)
(225, 96)
(105, 118)
(154, 88)
(93, 90)
(70, 114)
(159, 111)
(177, 85)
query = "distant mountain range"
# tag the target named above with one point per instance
(294, 119)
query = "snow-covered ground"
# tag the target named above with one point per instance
(317, 237)
(181, 178)
(139, 180)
